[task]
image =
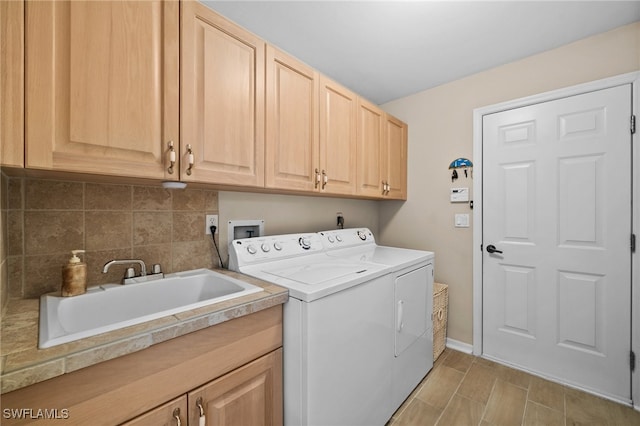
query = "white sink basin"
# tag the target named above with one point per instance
(113, 306)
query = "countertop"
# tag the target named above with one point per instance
(23, 364)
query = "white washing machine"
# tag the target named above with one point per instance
(412, 275)
(338, 329)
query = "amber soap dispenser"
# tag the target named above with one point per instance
(74, 276)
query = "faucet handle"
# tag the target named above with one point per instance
(130, 273)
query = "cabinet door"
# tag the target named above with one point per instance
(102, 86)
(370, 149)
(292, 123)
(12, 83)
(222, 99)
(338, 125)
(173, 413)
(250, 395)
(395, 158)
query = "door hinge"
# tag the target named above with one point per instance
(633, 243)
(632, 360)
(633, 124)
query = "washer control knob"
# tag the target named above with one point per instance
(305, 243)
(331, 239)
(265, 247)
(251, 249)
(339, 238)
(362, 235)
(277, 246)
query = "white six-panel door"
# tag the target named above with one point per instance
(557, 203)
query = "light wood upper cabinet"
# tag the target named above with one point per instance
(311, 129)
(371, 121)
(292, 153)
(12, 83)
(102, 86)
(222, 99)
(382, 153)
(338, 125)
(395, 158)
(250, 395)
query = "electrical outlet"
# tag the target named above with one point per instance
(210, 220)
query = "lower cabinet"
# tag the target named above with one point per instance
(250, 395)
(172, 413)
(226, 374)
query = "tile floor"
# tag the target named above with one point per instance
(463, 390)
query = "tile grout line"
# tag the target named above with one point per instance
(526, 403)
(564, 406)
(486, 405)
(454, 394)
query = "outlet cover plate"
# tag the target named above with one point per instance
(211, 220)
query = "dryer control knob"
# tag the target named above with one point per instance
(331, 239)
(362, 235)
(251, 249)
(305, 243)
(277, 246)
(339, 238)
(265, 247)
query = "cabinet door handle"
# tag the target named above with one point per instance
(176, 415)
(325, 179)
(191, 159)
(385, 187)
(172, 157)
(317, 179)
(202, 420)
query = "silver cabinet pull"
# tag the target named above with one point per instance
(317, 179)
(202, 420)
(325, 179)
(172, 157)
(190, 158)
(385, 187)
(176, 415)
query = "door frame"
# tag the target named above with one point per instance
(629, 78)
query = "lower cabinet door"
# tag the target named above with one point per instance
(249, 395)
(173, 413)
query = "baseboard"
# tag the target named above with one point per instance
(459, 346)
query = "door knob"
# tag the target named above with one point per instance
(492, 249)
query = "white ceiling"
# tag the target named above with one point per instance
(386, 50)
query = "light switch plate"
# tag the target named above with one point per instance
(462, 220)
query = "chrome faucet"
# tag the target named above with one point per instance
(143, 267)
(129, 276)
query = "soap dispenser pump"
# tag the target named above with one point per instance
(74, 276)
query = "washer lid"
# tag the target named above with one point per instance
(395, 257)
(318, 273)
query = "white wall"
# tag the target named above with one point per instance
(441, 129)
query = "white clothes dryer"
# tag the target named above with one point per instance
(412, 275)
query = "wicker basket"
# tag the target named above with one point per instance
(440, 303)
